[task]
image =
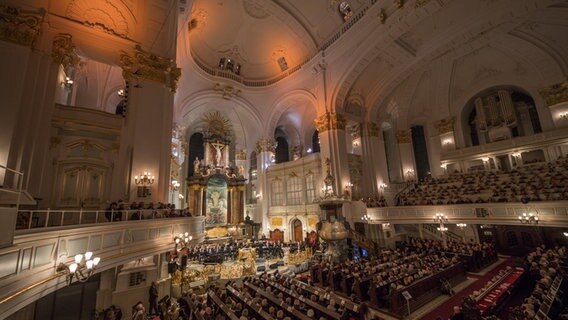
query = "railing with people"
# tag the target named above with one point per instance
(551, 213)
(32, 219)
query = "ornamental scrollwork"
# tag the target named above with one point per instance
(265, 145)
(149, 66)
(403, 136)
(20, 26)
(63, 50)
(555, 94)
(445, 125)
(330, 121)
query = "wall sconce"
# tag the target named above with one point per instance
(68, 83)
(444, 166)
(516, 154)
(530, 218)
(485, 159)
(175, 185)
(145, 179)
(382, 185)
(181, 197)
(448, 142)
(440, 218)
(564, 115)
(386, 225)
(121, 93)
(565, 234)
(356, 143)
(366, 218)
(309, 150)
(81, 269)
(259, 196)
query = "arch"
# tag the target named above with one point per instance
(297, 230)
(303, 102)
(244, 118)
(458, 104)
(524, 106)
(196, 151)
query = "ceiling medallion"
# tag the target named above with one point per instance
(255, 9)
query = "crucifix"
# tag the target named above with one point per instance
(218, 147)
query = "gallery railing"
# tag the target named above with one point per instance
(550, 213)
(32, 219)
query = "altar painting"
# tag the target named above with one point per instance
(216, 210)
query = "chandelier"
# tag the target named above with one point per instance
(144, 179)
(530, 218)
(82, 269)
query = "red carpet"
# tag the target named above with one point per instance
(446, 309)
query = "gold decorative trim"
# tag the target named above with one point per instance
(555, 94)
(371, 129)
(403, 136)
(149, 66)
(444, 125)
(20, 26)
(265, 145)
(382, 16)
(63, 50)
(330, 121)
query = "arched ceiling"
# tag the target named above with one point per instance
(256, 33)
(455, 51)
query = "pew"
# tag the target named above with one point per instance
(350, 305)
(320, 311)
(288, 310)
(257, 313)
(214, 300)
(425, 289)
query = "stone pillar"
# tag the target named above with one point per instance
(374, 161)
(331, 128)
(265, 148)
(404, 140)
(149, 120)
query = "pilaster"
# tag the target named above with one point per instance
(149, 124)
(374, 161)
(265, 148)
(331, 128)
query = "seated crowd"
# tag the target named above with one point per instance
(535, 182)
(547, 267)
(374, 202)
(141, 210)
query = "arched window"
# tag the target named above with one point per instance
(277, 193)
(282, 153)
(310, 188)
(316, 142)
(196, 150)
(294, 190)
(420, 152)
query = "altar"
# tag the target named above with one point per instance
(216, 189)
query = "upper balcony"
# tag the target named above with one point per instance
(550, 214)
(44, 239)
